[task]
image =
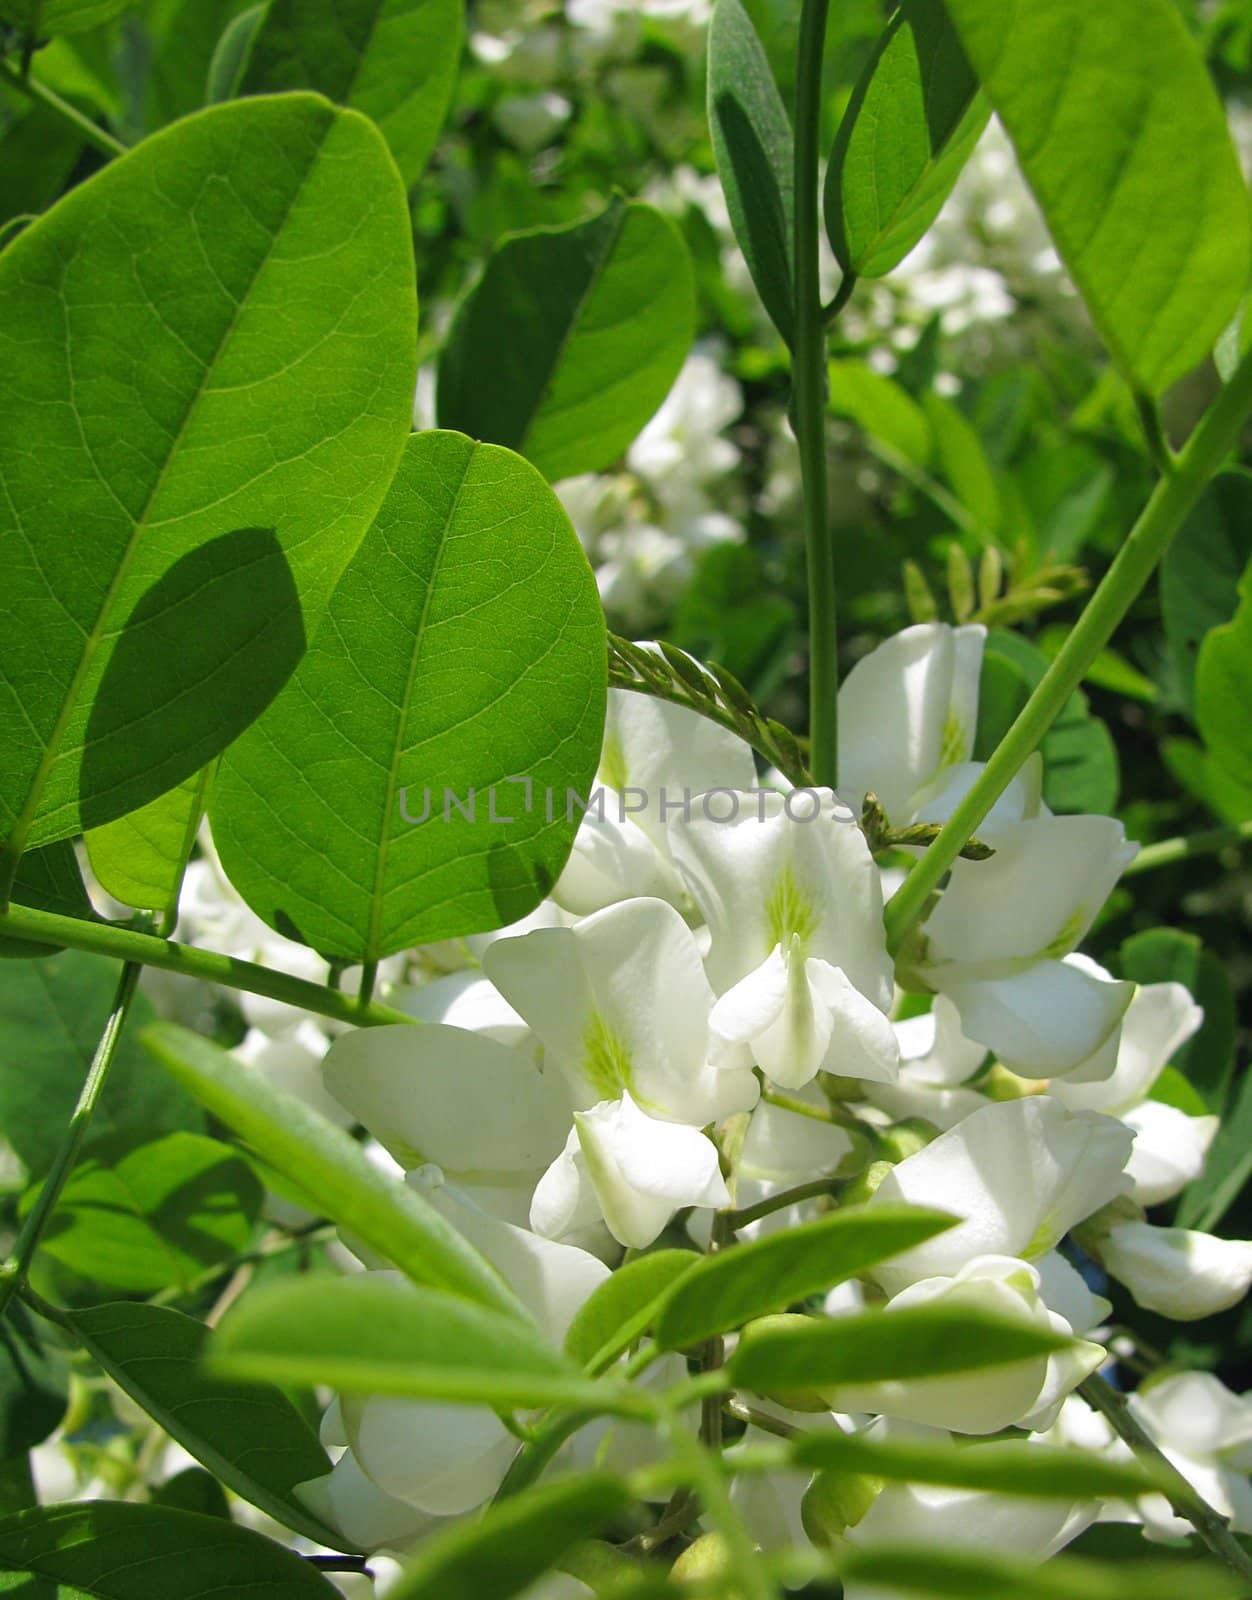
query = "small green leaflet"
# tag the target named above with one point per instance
(1201, 571)
(752, 143)
(34, 1385)
(140, 859)
(195, 341)
(582, 329)
(230, 56)
(250, 1436)
(1223, 689)
(624, 1307)
(393, 60)
(463, 655)
(370, 1335)
(1123, 139)
(911, 125)
(883, 409)
(1169, 955)
(330, 1170)
(954, 1574)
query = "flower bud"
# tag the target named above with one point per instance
(906, 1138)
(792, 1399)
(865, 1183)
(836, 1501)
(704, 1562)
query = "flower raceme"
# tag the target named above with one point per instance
(700, 1019)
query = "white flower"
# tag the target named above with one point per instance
(936, 1059)
(1180, 1273)
(1027, 1393)
(682, 447)
(794, 911)
(1206, 1431)
(1021, 1173)
(907, 713)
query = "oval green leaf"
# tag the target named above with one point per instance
(111, 1550)
(370, 1335)
(753, 148)
(330, 1170)
(249, 1436)
(1223, 689)
(726, 1290)
(393, 60)
(624, 1307)
(463, 656)
(571, 339)
(140, 859)
(1123, 139)
(195, 342)
(954, 1575)
(1201, 571)
(911, 125)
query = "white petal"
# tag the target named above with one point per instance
(363, 1513)
(613, 859)
(782, 1144)
(1169, 1151)
(1041, 1022)
(792, 1048)
(443, 1459)
(862, 1041)
(1020, 1173)
(1160, 1019)
(1189, 1412)
(933, 1050)
(754, 1003)
(464, 1000)
(1180, 1273)
(1066, 1293)
(1019, 802)
(1036, 896)
(440, 1094)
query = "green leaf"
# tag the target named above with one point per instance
(1195, 770)
(192, 1489)
(624, 1307)
(1226, 1170)
(911, 125)
(940, 1573)
(393, 60)
(34, 1386)
(1201, 571)
(1109, 670)
(883, 1346)
(963, 462)
(752, 144)
(230, 56)
(582, 330)
(726, 1290)
(1012, 1467)
(1223, 689)
(463, 650)
(48, 880)
(1168, 955)
(1080, 768)
(52, 17)
(37, 154)
(515, 1543)
(330, 1169)
(1123, 139)
(140, 859)
(250, 1436)
(196, 342)
(881, 408)
(116, 1551)
(51, 1015)
(156, 1218)
(370, 1335)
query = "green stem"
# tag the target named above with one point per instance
(126, 944)
(809, 403)
(815, 1189)
(1154, 433)
(704, 1470)
(1165, 852)
(369, 977)
(1185, 1502)
(42, 95)
(1160, 520)
(13, 1272)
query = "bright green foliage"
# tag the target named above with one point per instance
(465, 647)
(913, 120)
(624, 1307)
(211, 329)
(753, 146)
(882, 1346)
(1170, 955)
(394, 60)
(963, 461)
(881, 408)
(50, 17)
(140, 859)
(943, 1573)
(34, 1385)
(329, 1168)
(48, 880)
(365, 1335)
(1124, 142)
(110, 1550)
(730, 1288)
(1223, 689)
(516, 1542)
(37, 155)
(157, 1217)
(1032, 1471)
(250, 1436)
(1201, 572)
(230, 56)
(582, 331)
(51, 1014)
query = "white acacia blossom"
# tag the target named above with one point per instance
(701, 1019)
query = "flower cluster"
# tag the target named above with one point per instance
(704, 1019)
